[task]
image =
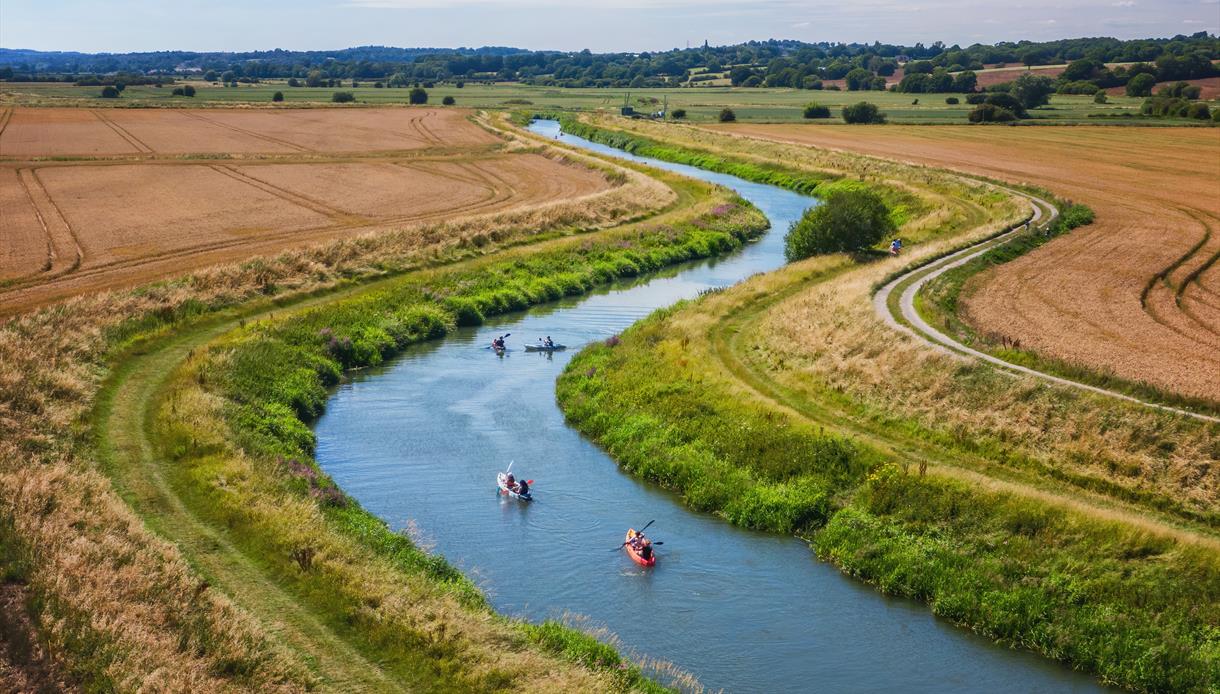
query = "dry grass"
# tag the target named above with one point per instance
(89, 225)
(1093, 297)
(826, 342)
(108, 587)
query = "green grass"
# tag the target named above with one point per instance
(702, 104)
(1138, 609)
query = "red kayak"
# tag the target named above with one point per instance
(635, 556)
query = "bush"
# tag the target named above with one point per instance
(460, 84)
(1100, 98)
(727, 115)
(1141, 85)
(862, 113)
(816, 111)
(418, 96)
(177, 92)
(848, 220)
(448, 101)
(975, 99)
(188, 90)
(1216, 116)
(1032, 90)
(1198, 111)
(278, 96)
(342, 97)
(1007, 102)
(109, 92)
(678, 113)
(990, 113)
(952, 100)
(293, 82)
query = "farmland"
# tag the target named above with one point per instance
(700, 103)
(1147, 263)
(102, 200)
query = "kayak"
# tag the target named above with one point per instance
(502, 484)
(635, 556)
(544, 348)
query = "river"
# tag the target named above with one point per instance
(418, 442)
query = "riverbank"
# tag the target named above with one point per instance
(121, 576)
(829, 447)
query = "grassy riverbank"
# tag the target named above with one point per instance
(1135, 607)
(117, 565)
(782, 404)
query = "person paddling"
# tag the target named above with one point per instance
(498, 343)
(523, 488)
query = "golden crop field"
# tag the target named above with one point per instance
(1137, 293)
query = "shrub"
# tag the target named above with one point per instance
(727, 115)
(848, 219)
(418, 95)
(460, 84)
(1182, 90)
(952, 100)
(1198, 111)
(813, 110)
(278, 96)
(862, 113)
(109, 92)
(1216, 116)
(177, 92)
(342, 97)
(293, 82)
(678, 113)
(1100, 98)
(1007, 102)
(1141, 85)
(975, 99)
(188, 90)
(990, 113)
(448, 101)
(753, 81)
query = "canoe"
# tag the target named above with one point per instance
(544, 348)
(502, 485)
(635, 557)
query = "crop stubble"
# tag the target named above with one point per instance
(1137, 293)
(140, 213)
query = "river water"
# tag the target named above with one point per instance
(419, 440)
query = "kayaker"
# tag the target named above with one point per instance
(550, 344)
(497, 343)
(646, 550)
(512, 485)
(523, 487)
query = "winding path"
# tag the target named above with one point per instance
(905, 317)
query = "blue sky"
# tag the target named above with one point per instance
(631, 25)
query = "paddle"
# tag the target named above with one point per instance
(638, 531)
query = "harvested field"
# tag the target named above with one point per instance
(26, 249)
(1210, 87)
(82, 226)
(43, 132)
(1137, 293)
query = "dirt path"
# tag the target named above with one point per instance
(126, 409)
(914, 324)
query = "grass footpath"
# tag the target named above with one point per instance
(229, 425)
(1030, 568)
(1140, 610)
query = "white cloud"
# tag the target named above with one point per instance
(1123, 3)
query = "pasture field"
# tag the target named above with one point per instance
(1135, 293)
(101, 200)
(701, 103)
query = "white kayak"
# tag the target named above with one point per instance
(545, 348)
(502, 484)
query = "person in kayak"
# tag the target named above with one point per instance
(523, 488)
(549, 343)
(512, 484)
(645, 549)
(498, 343)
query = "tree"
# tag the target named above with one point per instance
(460, 84)
(448, 101)
(678, 113)
(1100, 98)
(109, 92)
(862, 113)
(952, 100)
(848, 220)
(228, 76)
(1032, 90)
(813, 110)
(740, 74)
(1008, 102)
(858, 79)
(188, 90)
(342, 97)
(177, 92)
(314, 78)
(278, 96)
(990, 113)
(209, 76)
(1141, 85)
(418, 96)
(293, 82)
(727, 115)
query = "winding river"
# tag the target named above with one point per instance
(418, 442)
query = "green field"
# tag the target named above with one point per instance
(701, 103)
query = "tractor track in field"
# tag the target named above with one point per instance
(906, 317)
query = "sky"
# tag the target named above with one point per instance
(612, 25)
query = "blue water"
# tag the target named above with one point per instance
(419, 441)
